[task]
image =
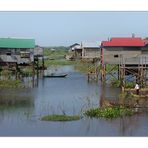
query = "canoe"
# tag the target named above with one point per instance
(55, 76)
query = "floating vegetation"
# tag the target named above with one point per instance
(130, 84)
(117, 83)
(109, 112)
(60, 118)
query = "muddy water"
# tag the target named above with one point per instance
(70, 95)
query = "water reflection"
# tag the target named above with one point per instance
(127, 125)
(16, 105)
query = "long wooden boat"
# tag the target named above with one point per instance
(55, 76)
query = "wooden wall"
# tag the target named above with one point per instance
(15, 55)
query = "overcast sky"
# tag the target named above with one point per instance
(66, 28)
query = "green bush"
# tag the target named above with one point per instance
(27, 71)
(114, 82)
(109, 112)
(129, 85)
(60, 118)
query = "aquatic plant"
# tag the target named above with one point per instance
(115, 82)
(130, 84)
(60, 118)
(109, 112)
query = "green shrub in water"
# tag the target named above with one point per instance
(129, 85)
(114, 82)
(109, 112)
(60, 118)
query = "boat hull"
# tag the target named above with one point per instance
(55, 76)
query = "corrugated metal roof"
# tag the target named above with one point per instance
(124, 42)
(73, 45)
(16, 43)
(91, 44)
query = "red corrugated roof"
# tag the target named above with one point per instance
(124, 42)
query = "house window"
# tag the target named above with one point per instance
(116, 56)
(25, 55)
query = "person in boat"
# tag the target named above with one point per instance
(137, 89)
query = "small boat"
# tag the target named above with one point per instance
(55, 76)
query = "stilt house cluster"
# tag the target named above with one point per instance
(127, 54)
(17, 52)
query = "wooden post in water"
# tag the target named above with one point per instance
(33, 75)
(103, 73)
(43, 66)
(43, 62)
(118, 71)
(122, 71)
(16, 71)
(37, 66)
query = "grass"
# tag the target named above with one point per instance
(81, 66)
(10, 83)
(127, 95)
(27, 71)
(116, 83)
(6, 73)
(56, 54)
(85, 67)
(130, 84)
(57, 57)
(109, 112)
(58, 62)
(60, 118)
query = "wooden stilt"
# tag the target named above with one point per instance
(33, 71)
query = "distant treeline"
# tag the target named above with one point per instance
(57, 48)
